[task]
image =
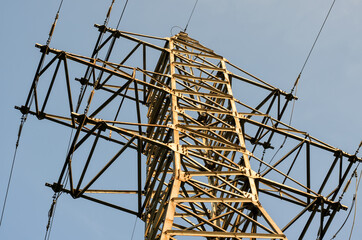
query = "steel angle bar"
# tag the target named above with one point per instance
(329, 173)
(155, 79)
(198, 165)
(201, 224)
(202, 61)
(299, 215)
(88, 160)
(107, 88)
(130, 33)
(202, 70)
(206, 221)
(44, 69)
(265, 83)
(222, 148)
(120, 64)
(56, 119)
(309, 221)
(206, 110)
(236, 210)
(269, 220)
(205, 105)
(99, 191)
(193, 134)
(306, 194)
(226, 234)
(50, 86)
(67, 162)
(36, 77)
(270, 88)
(105, 103)
(293, 136)
(98, 201)
(217, 119)
(98, 47)
(233, 209)
(291, 189)
(198, 47)
(196, 54)
(211, 200)
(195, 154)
(285, 195)
(217, 188)
(126, 35)
(209, 128)
(208, 95)
(106, 166)
(214, 79)
(297, 202)
(118, 74)
(69, 91)
(228, 182)
(218, 173)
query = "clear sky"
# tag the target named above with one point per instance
(270, 39)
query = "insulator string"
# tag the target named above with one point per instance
(54, 23)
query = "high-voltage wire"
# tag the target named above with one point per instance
(24, 117)
(120, 18)
(312, 48)
(295, 86)
(192, 13)
(355, 204)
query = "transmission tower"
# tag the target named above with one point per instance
(206, 162)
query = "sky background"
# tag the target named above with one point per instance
(270, 39)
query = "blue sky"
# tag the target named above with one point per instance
(270, 39)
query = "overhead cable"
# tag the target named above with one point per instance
(355, 204)
(354, 174)
(24, 117)
(120, 18)
(312, 48)
(192, 13)
(295, 86)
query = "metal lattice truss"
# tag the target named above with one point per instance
(200, 146)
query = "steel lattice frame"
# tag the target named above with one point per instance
(201, 152)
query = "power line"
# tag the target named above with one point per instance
(24, 117)
(349, 213)
(312, 48)
(192, 13)
(134, 228)
(83, 88)
(53, 207)
(355, 204)
(120, 18)
(295, 86)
